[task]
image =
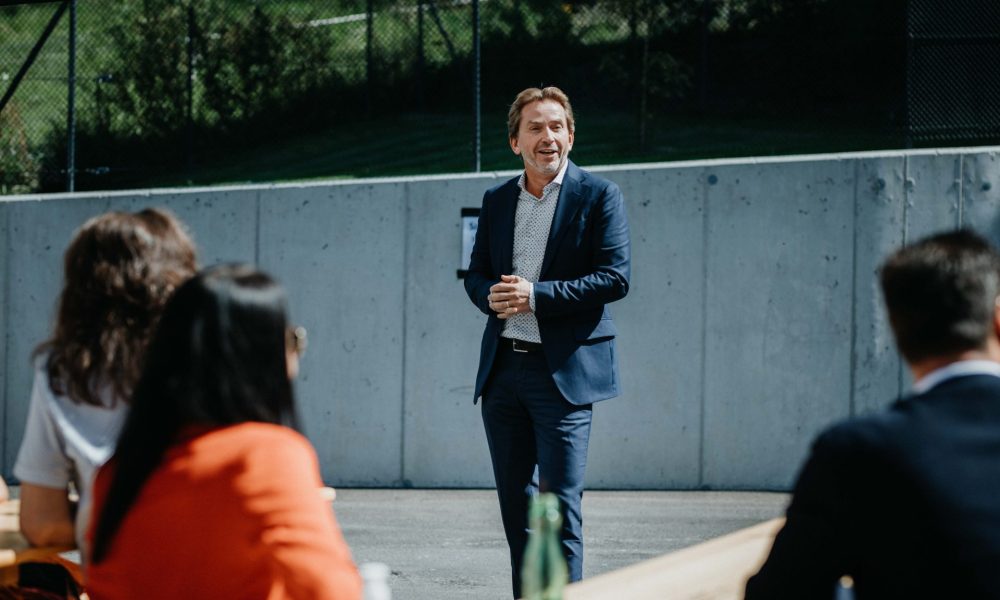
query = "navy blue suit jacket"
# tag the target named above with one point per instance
(907, 502)
(586, 266)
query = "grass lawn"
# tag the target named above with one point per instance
(403, 144)
(434, 143)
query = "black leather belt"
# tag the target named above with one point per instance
(521, 345)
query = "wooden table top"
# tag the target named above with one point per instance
(713, 570)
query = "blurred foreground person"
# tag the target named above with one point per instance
(907, 503)
(211, 492)
(120, 269)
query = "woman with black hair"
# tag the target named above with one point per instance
(211, 493)
(119, 270)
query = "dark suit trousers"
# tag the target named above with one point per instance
(537, 440)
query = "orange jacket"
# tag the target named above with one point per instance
(232, 512)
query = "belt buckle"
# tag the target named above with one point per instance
(514, 346)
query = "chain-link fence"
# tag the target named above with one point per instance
(953, 71)
(172, 92)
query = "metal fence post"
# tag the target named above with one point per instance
(71, 103)
(644, 74)
(189, 133)
(478, 126)
(369, 26)
(33, 54)
(704, 18)
(420, 54)
(907, 80)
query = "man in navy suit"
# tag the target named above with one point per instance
(551, 251)
(907, 502)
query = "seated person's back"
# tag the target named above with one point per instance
(211, 493)
(230, 510)
(907, 502)
(119, 271)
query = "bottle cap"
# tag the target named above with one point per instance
(374, 571)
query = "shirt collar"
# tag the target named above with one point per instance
(555, 182)
(956, 369)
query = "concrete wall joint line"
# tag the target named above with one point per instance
(256, 240)
(961, 190)
(704, 327)
(901, 367)
(5, 296)
(906, 201)
(403, 337)
(852, 371)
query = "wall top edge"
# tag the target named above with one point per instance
(496, 175)
(794, 158)
(249, 187)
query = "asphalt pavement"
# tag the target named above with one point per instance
(449, 544)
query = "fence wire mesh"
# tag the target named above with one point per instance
(953, 79)
(175, 92)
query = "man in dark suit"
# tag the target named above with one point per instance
(906, 503)
(552, 249)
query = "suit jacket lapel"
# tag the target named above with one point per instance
(505, 227)
(570, 195)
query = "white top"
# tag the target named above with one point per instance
(65, 442)
(956, 369)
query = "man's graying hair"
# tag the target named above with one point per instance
(941, 293)
(530, 95)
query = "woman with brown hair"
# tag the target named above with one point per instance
(212, 492)
(120, 270)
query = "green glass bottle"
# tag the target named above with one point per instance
(543, 572)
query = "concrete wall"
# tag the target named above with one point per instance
(754, 318)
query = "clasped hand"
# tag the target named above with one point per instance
(510, 296)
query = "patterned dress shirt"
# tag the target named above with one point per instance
(532, 222)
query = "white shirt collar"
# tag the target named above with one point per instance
(562, 172)
(956, 369)
(556, 181)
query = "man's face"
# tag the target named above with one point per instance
(543, 139)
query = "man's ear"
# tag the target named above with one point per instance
(996, 318)
(514, 146)
(993, 340)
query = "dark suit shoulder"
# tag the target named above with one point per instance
(848, 440)
(909, 490)
(865, 437)
(908, 423)
(969, 397)
(594, 181)
(505, 187)
(969, 386)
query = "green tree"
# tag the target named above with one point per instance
(19, 167)
(253, 61)
(652, 74)
(148, 66)
(246, 60)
